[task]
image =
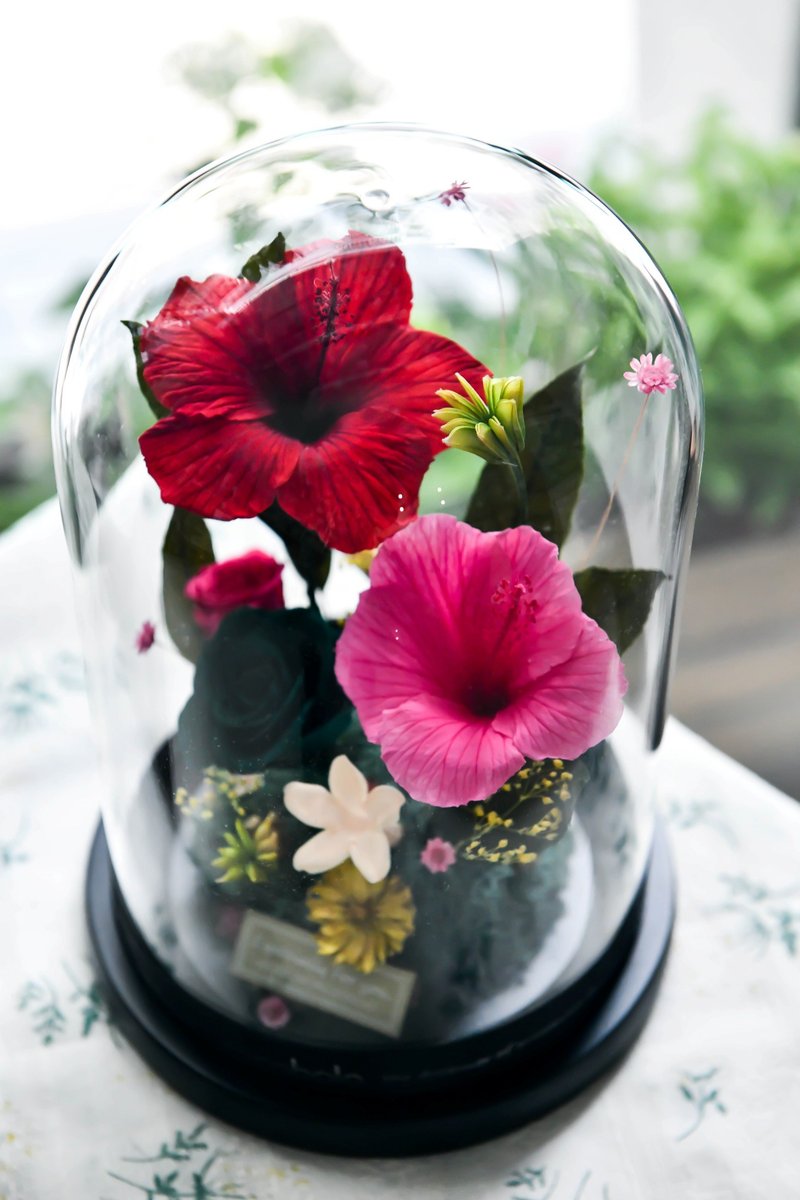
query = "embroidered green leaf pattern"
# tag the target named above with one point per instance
(770, 916)
(540, 1183)
(11, 850)
(188, 1180)
(691, 814)
(33, 694)
(39, 999)
(54, 1018)
(180, 1148)
(702, 1093)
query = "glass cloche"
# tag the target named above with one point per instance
(378, 453)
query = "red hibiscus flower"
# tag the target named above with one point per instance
(252, 580)
(309, 387)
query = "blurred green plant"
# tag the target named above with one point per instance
(26, 469)
(243, 80)
(724, 224)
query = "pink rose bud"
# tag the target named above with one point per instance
(252, 580)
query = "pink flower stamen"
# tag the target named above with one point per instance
(517, 598)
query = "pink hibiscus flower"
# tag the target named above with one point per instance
(469, 654)
(313, 390)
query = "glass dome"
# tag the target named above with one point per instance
(378, 453)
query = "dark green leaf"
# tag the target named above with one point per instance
(135, 330)
(552, 462)
(187, 549)
(267, 256)
(308, 553)
(619, 601)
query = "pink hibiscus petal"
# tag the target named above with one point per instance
(443, 755)
(572, 708)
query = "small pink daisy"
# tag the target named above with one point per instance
(274, 1012)
(649, 376)
(456, 191)
(145, 637)
(438, 856)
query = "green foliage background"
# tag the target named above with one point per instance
(724, 225)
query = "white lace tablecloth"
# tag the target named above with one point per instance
(704, 1108)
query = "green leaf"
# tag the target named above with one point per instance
(308, 552)
(135, 330)
(187, 549)
(619, 601)
(552, 463)
(267, 256)
(243, 126)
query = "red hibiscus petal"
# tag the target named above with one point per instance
(217, 468)
(401, 369)
(366, 279)
(360, 483)
(197, 353)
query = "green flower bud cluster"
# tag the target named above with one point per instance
(250, 852)
(494, 427)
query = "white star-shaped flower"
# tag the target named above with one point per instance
(356, 823)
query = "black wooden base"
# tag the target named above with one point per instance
(205, 1057)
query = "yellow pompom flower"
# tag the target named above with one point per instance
(360, 924)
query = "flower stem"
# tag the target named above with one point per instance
(522, 490)
(617, 480)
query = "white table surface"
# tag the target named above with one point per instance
(704, 1108)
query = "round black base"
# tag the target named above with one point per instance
(304, 1112)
